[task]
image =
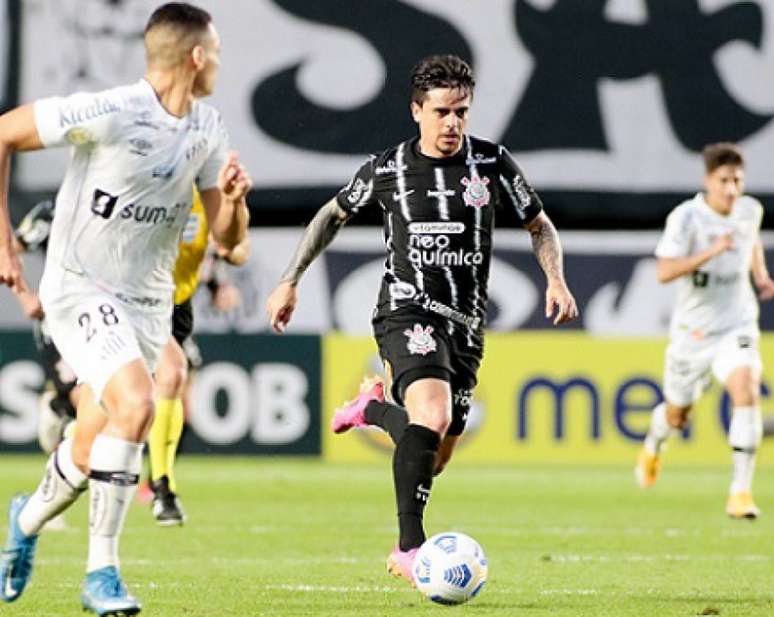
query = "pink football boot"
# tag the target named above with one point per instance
(352, 414)
(401, 563)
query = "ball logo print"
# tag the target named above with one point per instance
(450, 568)
(476, 194)
(420, 340)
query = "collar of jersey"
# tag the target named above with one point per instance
(445, 161)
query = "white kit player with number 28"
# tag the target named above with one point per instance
(107, 289)
(711, 245)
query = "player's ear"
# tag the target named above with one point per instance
(416, 111)
(198, 56)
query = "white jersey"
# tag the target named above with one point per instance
(718, 296)
(127, 190)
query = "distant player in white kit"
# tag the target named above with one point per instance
(711, 243)
(107, 288)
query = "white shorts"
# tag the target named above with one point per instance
(690, 363)
(98, 334)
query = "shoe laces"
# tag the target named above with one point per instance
(110, 585)
(20, 558)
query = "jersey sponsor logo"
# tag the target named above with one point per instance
(356, 190)
(437, 227)
(103, 204)
(433, 250)
(196, 148)
(437, 194)
(396, 196)
(402, 291)
(140, 146)
(480, 159)
(69, 116)
(151, 215)
(164, 172)
(138, 300)
(390, 167)
(522, 194)
(476, 192)
(144, 120)
(420, 340)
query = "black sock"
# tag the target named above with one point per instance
(412, 469)
(389, 417)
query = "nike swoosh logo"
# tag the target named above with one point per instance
(10, 592)
(398, 196)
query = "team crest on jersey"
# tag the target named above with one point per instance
(78, 136)
(476, 194)
(420, 340)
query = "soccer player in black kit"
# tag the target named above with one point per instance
(438, 194)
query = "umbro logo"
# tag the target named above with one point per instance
(400, 196)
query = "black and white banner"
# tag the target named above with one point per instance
(612, 96)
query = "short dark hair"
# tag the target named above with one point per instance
(440, 71)
(180, 15)
(724, 153)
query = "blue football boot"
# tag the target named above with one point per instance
(105, 594)
(17, 556)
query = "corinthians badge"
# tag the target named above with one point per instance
(476, 194)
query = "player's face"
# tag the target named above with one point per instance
(724, 184)
(204, 84)
(442, 118)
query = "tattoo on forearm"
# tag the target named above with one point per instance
(318, 234)
(548, 250)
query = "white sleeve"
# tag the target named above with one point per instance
(677, 239)
(207, 178)
(76, 120)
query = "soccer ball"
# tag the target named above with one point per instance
(450, 568)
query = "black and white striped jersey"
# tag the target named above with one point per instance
(438, 220)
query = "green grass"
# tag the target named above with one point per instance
(296, 537)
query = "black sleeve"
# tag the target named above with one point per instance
(32, 233)
(516, 193)
(359, 192)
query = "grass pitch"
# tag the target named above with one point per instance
(299, 537)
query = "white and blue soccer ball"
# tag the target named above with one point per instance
(450, 568)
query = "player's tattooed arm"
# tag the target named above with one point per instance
(546, 245)
(560, 303)
(318, 235)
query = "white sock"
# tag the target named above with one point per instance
(744, 437)
(659, 429)
(58, 490)
(115, 470)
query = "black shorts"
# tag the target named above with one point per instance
(416, 344)
(182, 321)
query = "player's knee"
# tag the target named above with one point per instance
(80, 452)
(677, 417)
(170, 379)
(134, 414)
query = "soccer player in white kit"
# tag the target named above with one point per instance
(107, 288)
(711, 244)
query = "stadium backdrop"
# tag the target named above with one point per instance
(610, 137)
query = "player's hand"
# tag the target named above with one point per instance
(30, 303)
(233, 180)
(765, 289)
(11, 269)
(722, 244)
(560, 303)
(280, 306)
